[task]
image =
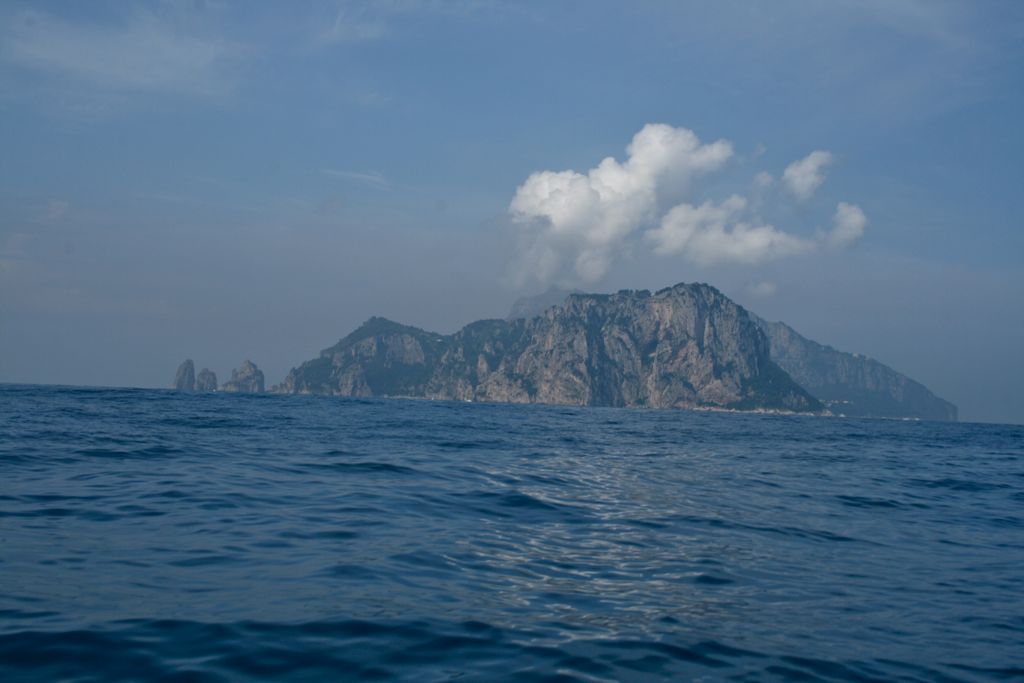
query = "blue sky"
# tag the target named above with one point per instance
(225, 180)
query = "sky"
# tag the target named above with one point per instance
(222, 181)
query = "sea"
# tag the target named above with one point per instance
(151, 535)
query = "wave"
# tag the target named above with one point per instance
(354, 650)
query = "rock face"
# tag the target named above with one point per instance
(851, 384)
(206, 380)
(247, 379)
(686, 346)
(185, 377)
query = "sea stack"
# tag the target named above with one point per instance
(185, 378)
(206, 380)
(247, 379)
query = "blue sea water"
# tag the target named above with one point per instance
(149, 535)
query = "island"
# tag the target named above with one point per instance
(687, 346)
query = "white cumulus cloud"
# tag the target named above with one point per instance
(589, 215)
(711, 234)
(805, 176)
(572, 225)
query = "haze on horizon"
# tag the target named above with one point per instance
(221, 181)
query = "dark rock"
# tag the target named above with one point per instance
(687, 346)
(185, 377)
(247, 379)
(206, 380)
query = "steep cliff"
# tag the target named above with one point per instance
(686, 346)
(185, 377)
(380, 358)
(206, 380)
(851, 384)
(248, 379)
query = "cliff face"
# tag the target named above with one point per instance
(185, 377)
(851, 384)
(686, 346)
(206, 380)
(247, 379)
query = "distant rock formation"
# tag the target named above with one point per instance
(206, 380)
(851, 384)
(185, 377)
(687, 346)
(247, 379)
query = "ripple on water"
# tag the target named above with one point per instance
(412, 651)
(151, 535)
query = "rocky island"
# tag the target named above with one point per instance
(206, 380)
(185, 377)
(687, 346)
(247, 379)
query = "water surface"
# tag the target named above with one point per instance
(147, 534)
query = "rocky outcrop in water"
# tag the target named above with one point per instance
(849, 383)
(248, 379)
(687, 346)
(185, 377)
(206, 380)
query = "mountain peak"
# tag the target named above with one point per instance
(688, 347)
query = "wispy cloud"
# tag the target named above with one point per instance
(145, 52)
(350, 25)
(762, 290)
(937, 20)
(353, 21)
(373, 178)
